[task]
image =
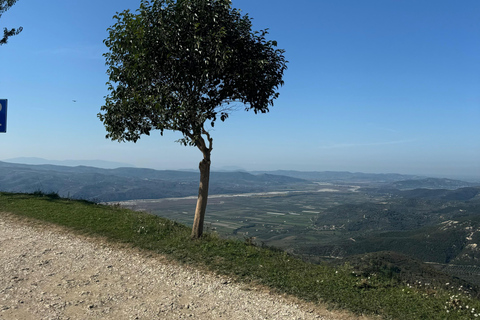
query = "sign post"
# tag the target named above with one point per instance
(3, 115)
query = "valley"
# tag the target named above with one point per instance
(327, 221)
(319, 216)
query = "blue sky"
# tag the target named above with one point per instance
(371, 86)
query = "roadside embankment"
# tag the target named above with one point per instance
(49, 273)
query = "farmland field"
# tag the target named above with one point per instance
(330, 221)
(282, 219)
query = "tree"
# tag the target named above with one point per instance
(179, 65)
(4, 6)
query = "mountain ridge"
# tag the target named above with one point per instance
(97, 184)
(128, 183)
(70, 163)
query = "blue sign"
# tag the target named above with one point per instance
(3, 115)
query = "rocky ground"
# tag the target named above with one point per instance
(47, 272)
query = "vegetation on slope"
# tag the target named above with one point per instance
(431, 230)
(121, 184)
(341, 286)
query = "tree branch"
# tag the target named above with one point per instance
(210, 139)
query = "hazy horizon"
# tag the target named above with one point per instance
(105, 164)
(373, 87)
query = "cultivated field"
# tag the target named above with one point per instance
(282, 219)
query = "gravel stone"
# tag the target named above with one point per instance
(48, 272)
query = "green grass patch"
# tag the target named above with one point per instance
(339, 286)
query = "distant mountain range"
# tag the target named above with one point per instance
(343, 176)
(71, 163)
(386, 180)
(432, 183)
(118, 184)
(127, 183)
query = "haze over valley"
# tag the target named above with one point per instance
(316, 215)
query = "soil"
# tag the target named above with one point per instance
(48, 272)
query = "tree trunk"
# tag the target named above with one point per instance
(204, 166)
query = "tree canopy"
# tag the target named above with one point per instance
(4, 6)
(178, 65)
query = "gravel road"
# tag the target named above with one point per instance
(50, 273)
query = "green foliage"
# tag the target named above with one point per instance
(51, 195)
(4, 6)
(404, 270)
(175, 65)
(367, 292)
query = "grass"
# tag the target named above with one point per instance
(340, 287)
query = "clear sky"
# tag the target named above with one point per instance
(371, 86)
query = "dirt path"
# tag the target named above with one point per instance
(48, 273)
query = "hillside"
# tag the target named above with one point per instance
(43, 278)
(401, 213)
(119, 184)
(431, 183)
(344, 176)
(385, 285)
(429, 227)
